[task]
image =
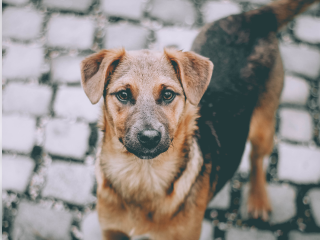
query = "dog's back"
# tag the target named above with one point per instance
(247, 63)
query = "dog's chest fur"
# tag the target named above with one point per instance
(148, 188)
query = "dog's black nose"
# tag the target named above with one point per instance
(149, 138)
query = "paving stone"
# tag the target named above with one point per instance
(18, 133)
(15, 2)
(253, 234)
(222, 199)
(66, 139)
(314, 195)
(129, 36)
(26, 98)
(295, 91)
(90, 227)
(213, 11)
(298, 164)
(17, 171)
(22, 61)
(206, 231)
(282, 199)
(66, 69)
(295, 125)
(72, 102)
(71, 5)
(35, 222)
(71, 182)
(307, 29)
(295, 235)
(179, 38)
(14, 23)
(173, 11)
(67, 31)
(244, 166)
(132, 9)
(301, 59)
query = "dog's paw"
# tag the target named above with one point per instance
(258, 205)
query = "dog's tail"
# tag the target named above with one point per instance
(284, 10)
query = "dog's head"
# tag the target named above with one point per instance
(145, 93)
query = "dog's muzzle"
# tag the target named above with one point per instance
(149, 138)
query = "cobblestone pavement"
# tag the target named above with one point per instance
(49, 126)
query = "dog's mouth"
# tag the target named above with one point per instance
(146, 153)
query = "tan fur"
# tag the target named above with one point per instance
(94, 70)
(194, 81)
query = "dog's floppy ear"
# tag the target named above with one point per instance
(95, 70)
(193, 71)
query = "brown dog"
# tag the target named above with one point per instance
(162, 157)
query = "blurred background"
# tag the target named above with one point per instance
(49, 126)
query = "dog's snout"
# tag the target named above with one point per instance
(149, 138)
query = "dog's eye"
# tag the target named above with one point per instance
(123, 96)
(168, 95)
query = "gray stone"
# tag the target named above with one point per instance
(252, 234)
(213, 11)
(72, 102)
(295, 91)
(308, 29)
(173, 11)
(22, 61)
(18, 133)
(282, 199)
(132, 9)
(67, 31)
(66, 69)
(244, 166)
(126, 35)
(72, 5)
(27, 98)
(71, 182)
(301, 59)
(14, 23)
(16, 2)
(222, 199)
(90, 227)
(66, 139)
(35, 222)
(206, 231)
(299, 164)
(314, 195)
(295, 235)
(179, 38)
(296, 125)
(16, 172)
